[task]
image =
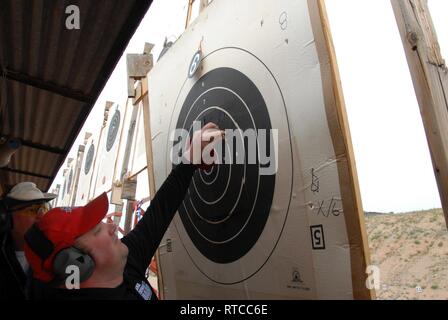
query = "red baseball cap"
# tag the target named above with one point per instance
(58, 229)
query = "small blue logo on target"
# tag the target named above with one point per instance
(195, 63)
(317, 237)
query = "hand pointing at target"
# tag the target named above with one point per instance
(199, 150)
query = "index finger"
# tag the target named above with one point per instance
(210, 125)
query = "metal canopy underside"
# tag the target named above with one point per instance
(50, 76)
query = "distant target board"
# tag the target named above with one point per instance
(69, 182)
(108, 147)
(287, 225)
(64, 193)
(85, 175)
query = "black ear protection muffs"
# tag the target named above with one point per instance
(72, 256)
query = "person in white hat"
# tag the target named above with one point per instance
(22, 206)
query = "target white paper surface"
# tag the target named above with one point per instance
(85, 176)
(108, 149)
(259, 62)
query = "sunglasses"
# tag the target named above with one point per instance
(34, 210)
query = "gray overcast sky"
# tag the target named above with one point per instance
(391, 152)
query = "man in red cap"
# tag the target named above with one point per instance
(74, 242)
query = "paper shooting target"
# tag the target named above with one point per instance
(242, 231)
(226, 209)
(107, 153)
(113, 130)
(86, 171)
(89, 159)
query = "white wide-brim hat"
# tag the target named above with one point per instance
(28, 192)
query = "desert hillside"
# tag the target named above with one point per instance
(411, 250)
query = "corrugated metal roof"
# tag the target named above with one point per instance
(54, 75)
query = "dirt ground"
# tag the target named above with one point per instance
(411, 250)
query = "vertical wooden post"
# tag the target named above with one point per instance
(125, 166)
(150, 168)
(130, 137)
(343, 148)
(202, 5)
(430, 77)
(141, 65)
(141, 95)
(148, 142)
(190, 8)
(128, 217)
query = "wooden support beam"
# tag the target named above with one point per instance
(140, 95)
(343, 148)
(430, 77)
(150, 167)
(128, 217)
(190, 9)
(140, 91)
(125, 164)
(148, 142)
(202, 5)
(42, 147)
(47, 86)
(31, 174)
(129, 139)
(138, 66)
